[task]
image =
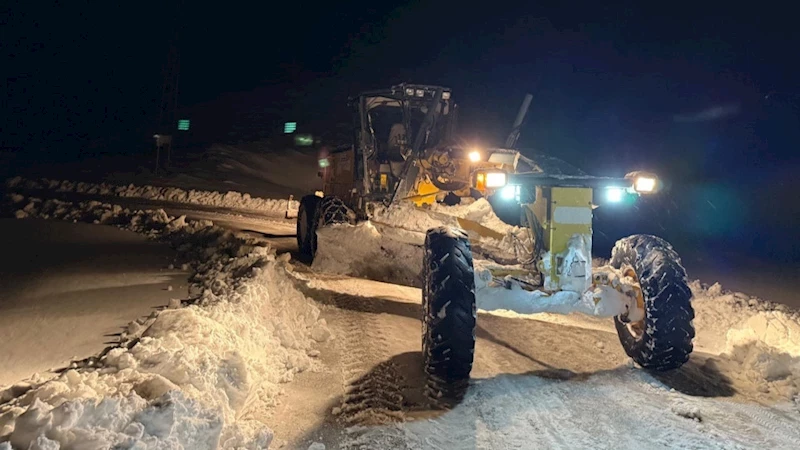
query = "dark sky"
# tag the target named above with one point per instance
(691, 89)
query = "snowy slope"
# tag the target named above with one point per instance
(257, 168)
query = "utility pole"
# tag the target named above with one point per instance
(168, 107)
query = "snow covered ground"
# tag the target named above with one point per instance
(539, 381)
(193, 375)
(66, 289)
(751, 344)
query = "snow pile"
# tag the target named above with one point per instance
(153, 223)
(186, 377)
(390, 247)
(478, 211)
(730, 319)
(230, 199)
(121, 421)
(392, 256)
(761, 336)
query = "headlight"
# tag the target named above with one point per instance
(645, 184)
(410, 92)
(615, 195)
(445, 95)
(420, 93)
(475, 156)
(495, 179)
(510, 192)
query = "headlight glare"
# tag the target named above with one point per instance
(474, 156)
(495, 179)
(614, 194)
(645, 184)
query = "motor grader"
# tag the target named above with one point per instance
(404, 150)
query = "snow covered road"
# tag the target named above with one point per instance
(537, 384)
(67, 289)
(539, 381)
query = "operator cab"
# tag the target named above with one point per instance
(389, 121)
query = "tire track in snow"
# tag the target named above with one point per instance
(372, 385)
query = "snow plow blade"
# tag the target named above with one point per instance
(480, 230)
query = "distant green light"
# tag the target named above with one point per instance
(183, 125)
(289, 127)
(323, 163)
(303, 140)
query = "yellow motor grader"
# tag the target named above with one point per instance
(404, 150)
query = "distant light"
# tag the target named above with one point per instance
(303, 140)
(615, 195)
(323, 163)
(289, 127)
(474, 156)
(183, 125)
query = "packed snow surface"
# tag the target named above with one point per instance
(56, 280)
(619, 409)
(187, 377)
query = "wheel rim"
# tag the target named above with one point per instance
(636, 329)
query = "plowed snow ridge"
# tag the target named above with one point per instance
(230, 199)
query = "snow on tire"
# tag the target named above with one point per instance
(663, 340)
(306, 227)
(448, 312)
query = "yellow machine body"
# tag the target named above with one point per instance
(563, 213)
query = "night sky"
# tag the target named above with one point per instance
(703, 93)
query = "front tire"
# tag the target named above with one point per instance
(331, 210)
(448, 312)
(663, 339)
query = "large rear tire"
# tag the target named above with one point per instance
(448, 312)
(306, 227)
(663, 339)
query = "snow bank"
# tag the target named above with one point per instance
(230, 199)
(185, 377)
(761, 337)
(728, 319)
